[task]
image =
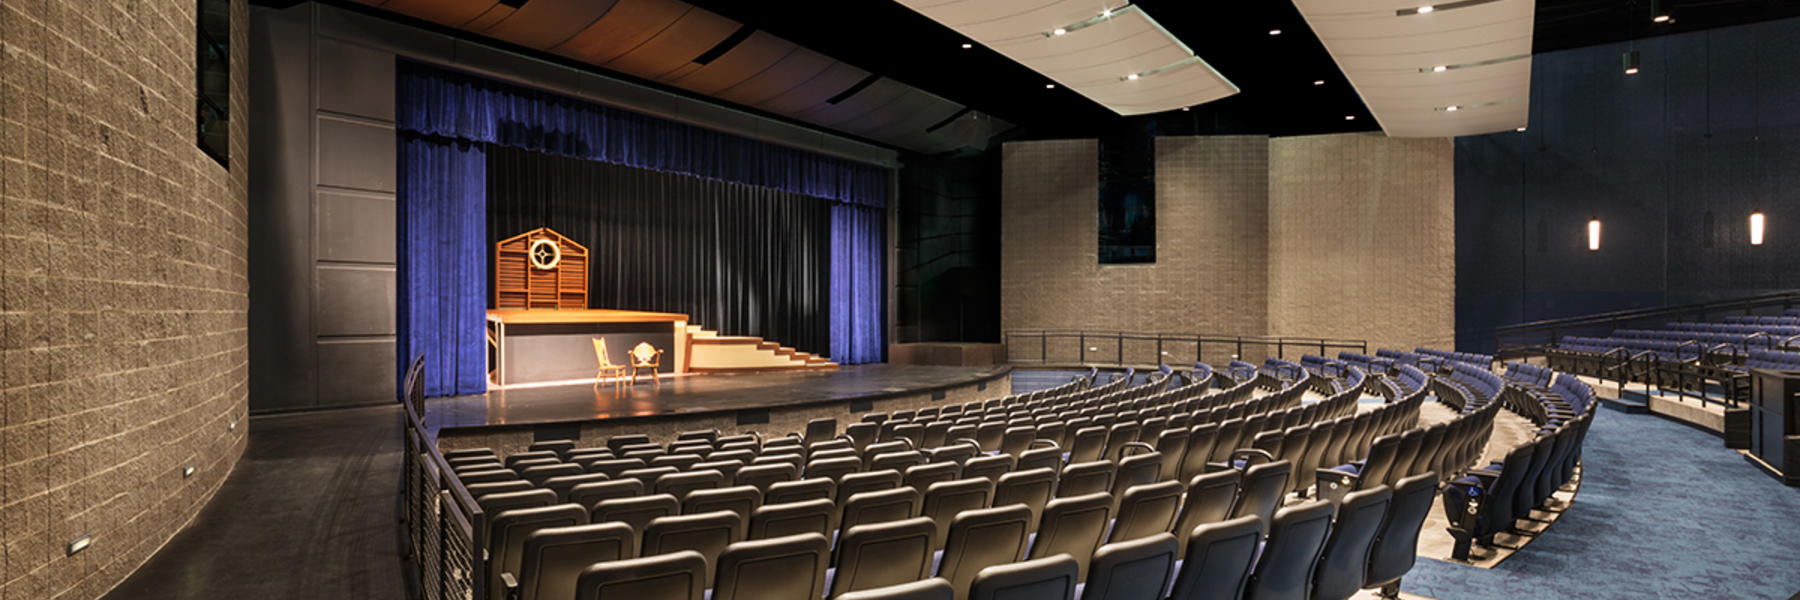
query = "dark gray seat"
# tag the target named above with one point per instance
(486, 476)
(1135, 569)
(1209, 500)
(792, 518)
(706, 533)
(677, 576)
(617, 442)
(1089, 445)
(880, 506)
(1397, 543)
(833, 468)
(872, 481)
(563, 485)
(819, 430)
(1049, 458)
(928, 589)
(506, 541)
(1146, 510)
(554, 557)
(590, 494)
(679, 484)
(922, 476)
(988, 467)
(1262, 490)
(679, 461)
(1033, 488)
(981, 538)
(1284, 570)
(648, 475)
(1344, 562)
(897, 461)
(614, 466)
(1171, 444)
(728, 468)
(874, 555)
(1218, 559)
(1136, 469)
(637, 511)
(494, 504)
(1050, 578)
(797, 491)
(945, 499)
(783, 568)
(1081, 478)
(513, 460)
(477, 490)
(739, 499)
(1073, 526)
(764, 475)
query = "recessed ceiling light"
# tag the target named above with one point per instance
(1425, 9)
(1132, 76)
(1184, 109)
(1452, 108)
(1440, 68)
(1318, 82)
(1059, 31)
(1349, 117)
(968, 46)
(1631, 71)
(1105, 13)
(1049, 86)
(1660, 19)
(1520, 130)
(1274, 32)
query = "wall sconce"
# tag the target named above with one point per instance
(1756, 228)
(1631, 62)
(1594, 233)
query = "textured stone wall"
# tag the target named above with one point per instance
(123, 289)
(1362, 239)
(1210, 271)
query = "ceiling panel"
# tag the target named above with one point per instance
(675, 46)
(815, 90)
(1391, 55)
(544, 24)
(754, 55)
(1118, 57)
(453, 13)
(792, 71)
(629, 24)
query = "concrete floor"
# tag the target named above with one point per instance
(311, 511)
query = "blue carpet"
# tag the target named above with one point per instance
(1664, 511)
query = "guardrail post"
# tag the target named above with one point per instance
(1281, 348)
(1120, 357)
(1159, 350)
(1043, 347)
(1083, 347)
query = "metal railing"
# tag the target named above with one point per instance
(1080, 346)
(1513, 340)
(444, 525)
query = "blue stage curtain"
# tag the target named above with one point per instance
(857, 264)
(442, 270)
(447, 104)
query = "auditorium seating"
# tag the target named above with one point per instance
(873, 517)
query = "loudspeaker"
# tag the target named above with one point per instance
(1737, 428)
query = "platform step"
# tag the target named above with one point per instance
(1639, 404)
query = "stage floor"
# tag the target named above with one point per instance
(695, 394)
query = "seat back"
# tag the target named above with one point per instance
(980, 538)
(1382, 453)
(477, 490)
(1171, 444)
(612, 467)
(496, 503)
(872, 481)
(1344, 561)
(1218, 559)
(799, 491)
(945, 499)
(1209, 500)
(1333, 455)
(922, 476)
(927, 589)
(1119, 435)
(882, 554)
(833, 468)
(1136, 470)
(1041, 458)
(706, 533)
(506, 544)
(896, 461)
(637, 511)
(740, 499)
(1050, 578)
(1033, 488)
(1396, 543)
(819, 430)
(793, 518)
(1403, 457)
(783, 568)
(879, 507)
(988, 467)
(1294, 443)
(590, 494)
(1138, 568)
(762, 476)
(1146, 510)
(1305, 473)
(1231, 436)
(1262, 490)
(1296, 537)
(553, 557)
(1073, 525)
(1080, 478)
(1089, 444)
(677, 576)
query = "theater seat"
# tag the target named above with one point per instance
(784, 568)
(798, 491)
(1085, 478)
(928, 589)
(1073, 526)
(1284, 570)
(883, 554)
(1146, 510)
(1033, 488)
(764, 475)
(981, 538)
(872, 481)
(1050, 578)
(1343, 563)
(638, 511)
(554, 557)
(945, 499)
(1262, 490)
(1209, 499)
(677, 576)
(1131, 570)
(1218, 560)
(879, 506)
(705, 533)
(1396, 543)
(740, 499)
(590, 494)
(792, 518)
(506, 541)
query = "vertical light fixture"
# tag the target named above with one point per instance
(1594, 233)
(1756, 228)
(1631, 62)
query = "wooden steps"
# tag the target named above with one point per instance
(709, 352)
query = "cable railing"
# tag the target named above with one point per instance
(444, 525)
(1084, 347)
(1526, 338)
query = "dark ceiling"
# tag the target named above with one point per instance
(1276, 73)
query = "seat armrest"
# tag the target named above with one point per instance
(511, 584)
(1334, 484)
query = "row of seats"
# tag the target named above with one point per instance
(1480, 360)
(1446, 449)
(675, 481)
(1490, 500)
(1791, 318)
(1474, 387)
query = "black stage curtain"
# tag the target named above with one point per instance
(738, 259)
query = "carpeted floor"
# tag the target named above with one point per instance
(1665, 511)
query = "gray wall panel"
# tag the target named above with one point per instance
(355, 300)
(356, 80)
(362, 371)
(282, 367)
(355, 154)
(355, 227)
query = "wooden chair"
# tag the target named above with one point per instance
(645, 357)
(606, 365)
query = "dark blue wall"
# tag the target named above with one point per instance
(1710, 124)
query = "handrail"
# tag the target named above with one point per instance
(1789, 297)
(444, 523)
(1019, 343)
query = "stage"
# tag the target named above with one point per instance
(772, 403)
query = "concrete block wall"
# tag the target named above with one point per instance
(123, 289)
(1346, 236)
(1362, 239)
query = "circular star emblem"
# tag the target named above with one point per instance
(545, 254)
